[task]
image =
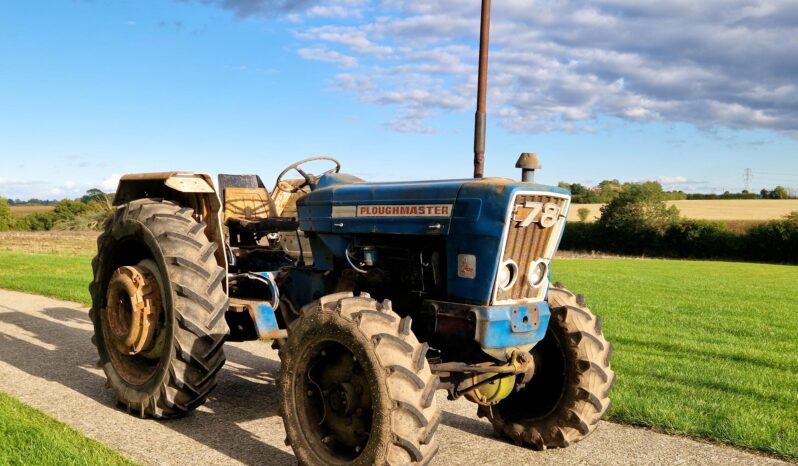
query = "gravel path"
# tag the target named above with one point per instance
(48, 361)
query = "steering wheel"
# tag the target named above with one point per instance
(310, 179)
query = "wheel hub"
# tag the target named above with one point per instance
(342, 399)
(339, 400)
(134, 305)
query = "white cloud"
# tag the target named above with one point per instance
(109, 184)
(683, 183)
(672, 179)
(338, 9)
(326, 55)
(562, 64)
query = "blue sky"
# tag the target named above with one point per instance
(599, 89)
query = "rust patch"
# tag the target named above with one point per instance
(134, 304)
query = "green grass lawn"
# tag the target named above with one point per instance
(28, 437)
(708, 349)
(65, 277)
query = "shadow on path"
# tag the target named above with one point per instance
(246, 389)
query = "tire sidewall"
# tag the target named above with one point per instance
(311, 330)
(575, 333)
(125, 229)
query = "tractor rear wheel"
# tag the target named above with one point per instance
(158, 308)
(568, 395)
(355, 386)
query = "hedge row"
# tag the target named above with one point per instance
(775, 241)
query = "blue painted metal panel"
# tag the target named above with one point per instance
(315, 209)
(475, 227)
(263, 314)
(482, 238)
(508, 326)
(265, 321)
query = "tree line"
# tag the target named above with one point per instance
(639, 222)
(608, 190)
(87, 212)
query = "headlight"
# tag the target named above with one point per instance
(537, 273)
(508, 272)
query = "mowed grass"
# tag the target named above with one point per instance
(28, 436)
(744, 210)
(65, 277)
(709, 349)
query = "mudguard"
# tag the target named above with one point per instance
(194, 190)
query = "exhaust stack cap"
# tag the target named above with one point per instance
(528, 163)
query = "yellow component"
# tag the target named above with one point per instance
(246, 203)
(491, 392)
(285, 201)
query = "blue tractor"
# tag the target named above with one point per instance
(376, 294)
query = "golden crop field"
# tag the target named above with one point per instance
(19, 211)
(750, 210)
(50, 242)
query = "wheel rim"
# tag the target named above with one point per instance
(133, 322)
(542, 394)
(334, 401)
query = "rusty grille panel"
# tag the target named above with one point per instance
(526, 245)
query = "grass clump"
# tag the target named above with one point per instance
(28, 436)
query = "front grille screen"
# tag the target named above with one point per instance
(533, 227)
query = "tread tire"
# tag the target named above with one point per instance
(194, 302)
(589, 378)
(405, 414)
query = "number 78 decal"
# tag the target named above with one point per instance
(537, 212)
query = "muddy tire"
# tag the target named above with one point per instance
(355, 386)
(176, 376)
(568, 394)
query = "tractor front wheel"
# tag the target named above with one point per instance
(355, 386)
(158, 308)
(568, 395)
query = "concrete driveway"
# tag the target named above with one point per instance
(48, 361)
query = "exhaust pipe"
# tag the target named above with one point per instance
(482, 85)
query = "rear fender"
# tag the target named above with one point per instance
(194, 190)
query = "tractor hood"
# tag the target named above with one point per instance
(473, 216)
(347, 205)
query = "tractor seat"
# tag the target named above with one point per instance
(249, 209)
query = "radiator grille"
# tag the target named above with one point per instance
(527, 244)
